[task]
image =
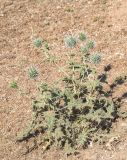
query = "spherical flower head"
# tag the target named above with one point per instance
(84, 50)
(38, 42)
(90, 44)
(95, 58)
(70, 41)
(82, 36)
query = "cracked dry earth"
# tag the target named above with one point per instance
(20, 22)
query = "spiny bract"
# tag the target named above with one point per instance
(38, 42)
(33, 73)
(70, 41)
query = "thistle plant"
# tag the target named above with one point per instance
(76, 114)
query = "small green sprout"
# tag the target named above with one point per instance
(90, 44)
(33, 73)
(38, 42)
(95, 58)
(14, 85)
(82, 36)
(70, 41)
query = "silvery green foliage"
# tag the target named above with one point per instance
(38, 42)
(33, 73)
(95, 58)
(79, 113)
(70, 41)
